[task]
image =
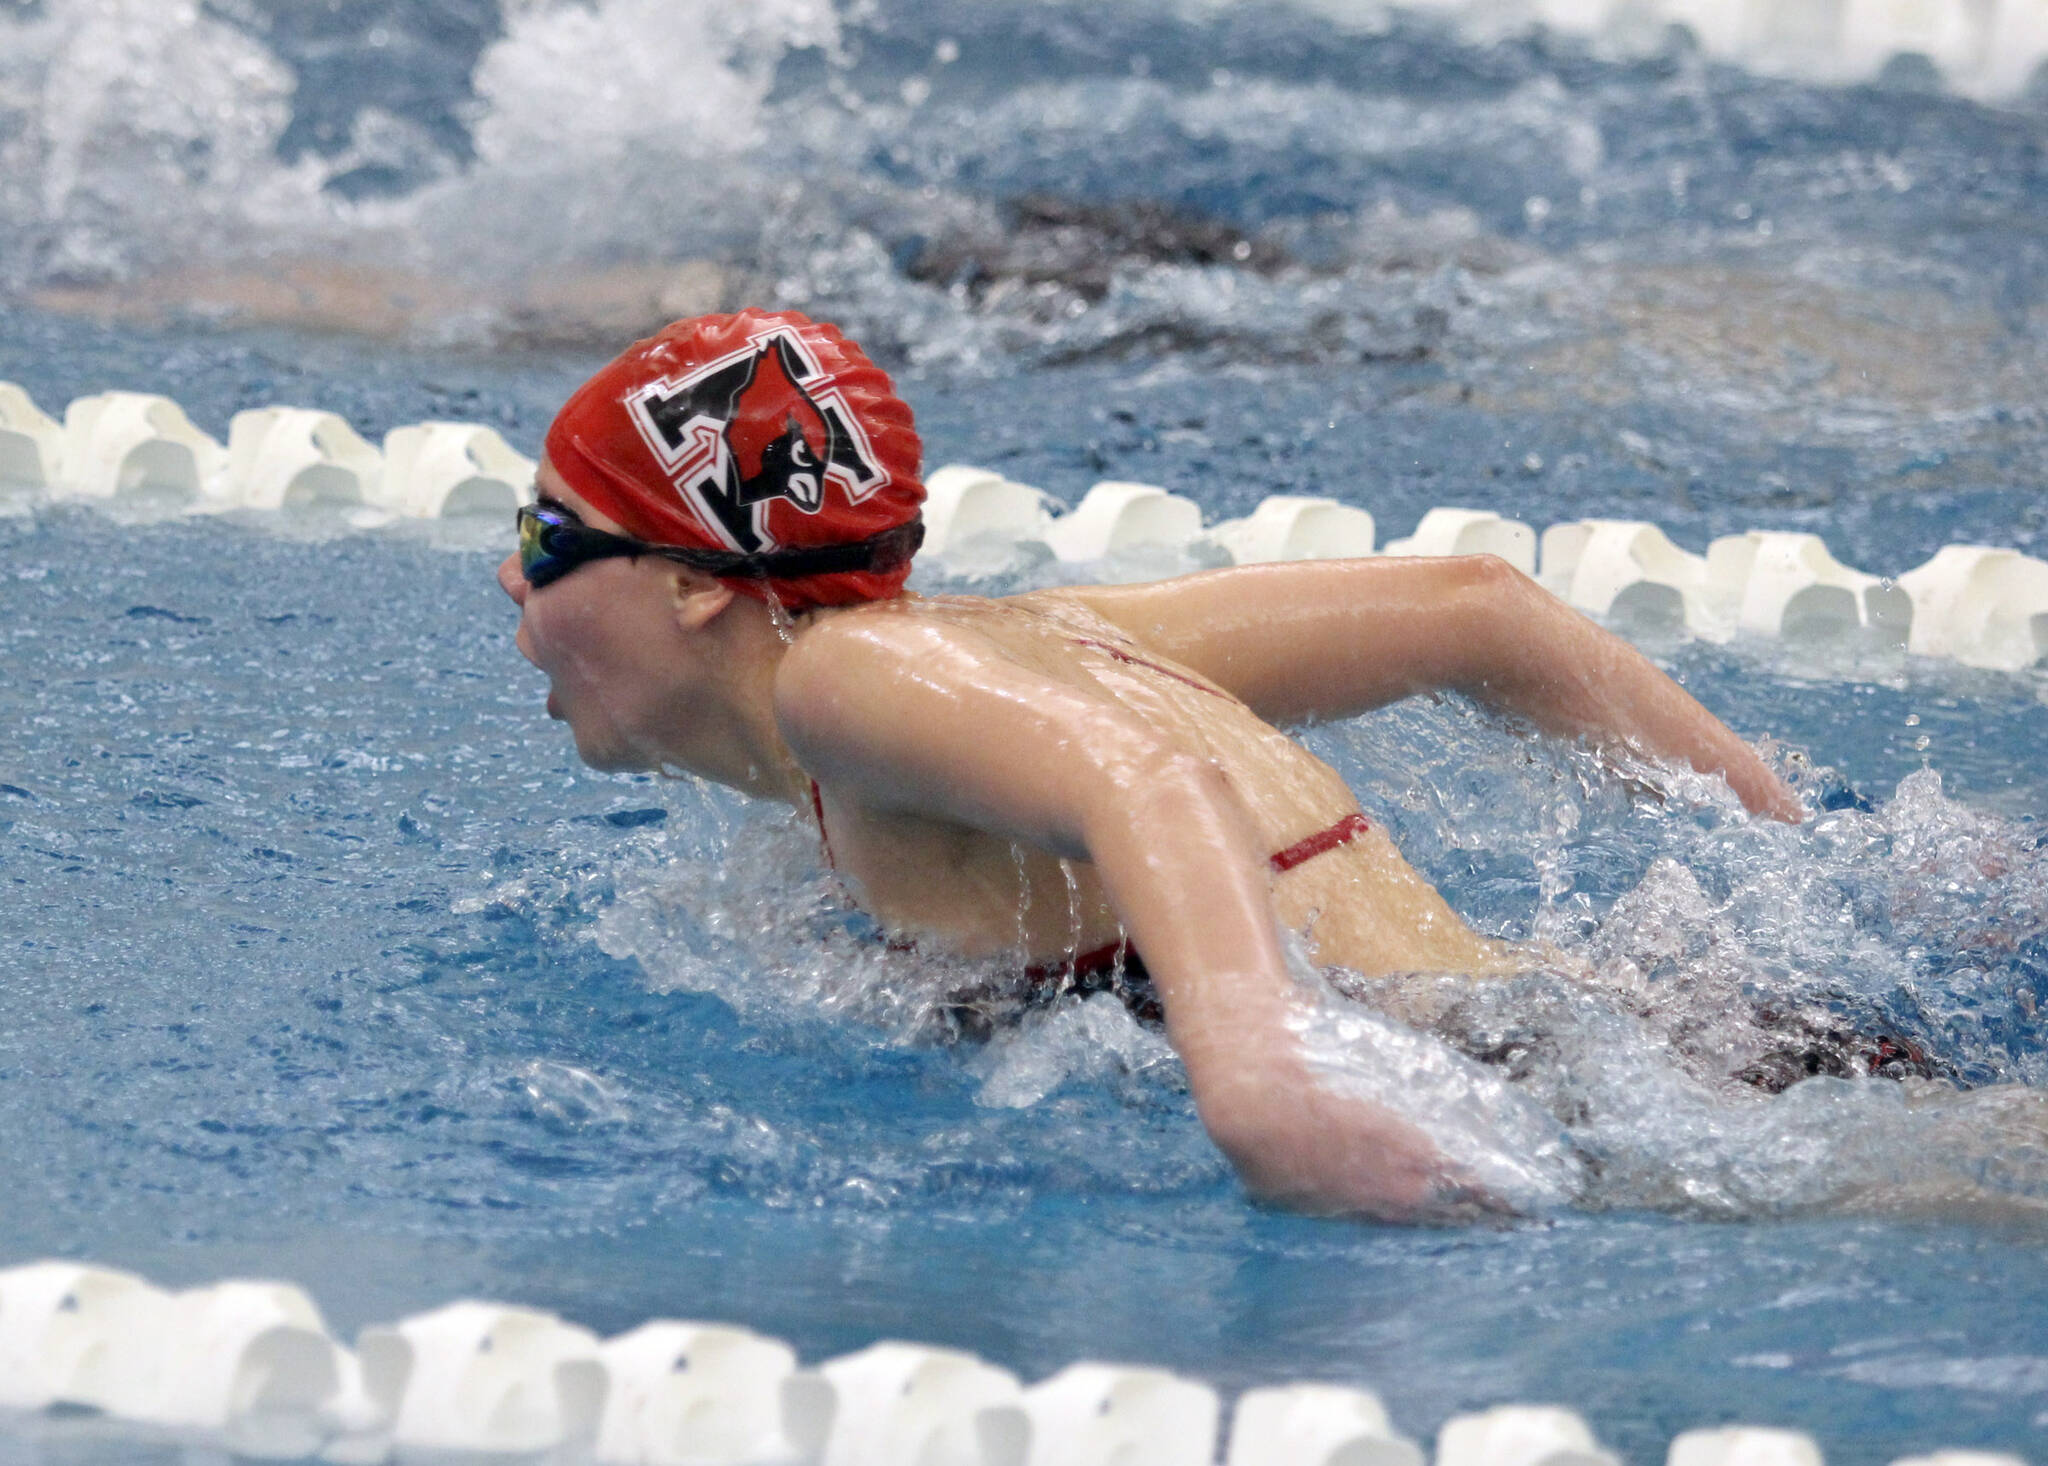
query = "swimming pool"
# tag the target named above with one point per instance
(324, 960)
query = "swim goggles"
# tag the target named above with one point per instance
(553, 542)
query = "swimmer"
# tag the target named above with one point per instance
(1088, 778)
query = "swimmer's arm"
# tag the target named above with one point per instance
(937, 723)
(1334, 638)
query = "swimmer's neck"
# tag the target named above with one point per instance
(718, 721)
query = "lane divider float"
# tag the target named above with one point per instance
(140, 448)
(295, 457)
(437, 470)
(1987, 49)
(1980, 605)
(1296, 527)
(1120, 520)
(1470, 532)
(31, 442)
(120, 445)
(249, 1366)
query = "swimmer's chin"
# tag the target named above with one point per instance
(611, 760)
(605, 758)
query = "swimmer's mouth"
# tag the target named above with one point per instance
(554, 705)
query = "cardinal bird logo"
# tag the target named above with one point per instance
(757, 427)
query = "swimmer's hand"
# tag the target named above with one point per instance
(1298, 1144)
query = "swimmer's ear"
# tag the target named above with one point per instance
(698, 599)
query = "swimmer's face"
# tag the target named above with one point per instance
(606, 636)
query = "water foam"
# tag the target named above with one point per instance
(601, 82)
(120, 112)
(147, 138)
(629, 160)
(1991, 50)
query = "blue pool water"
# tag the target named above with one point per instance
(323, 959)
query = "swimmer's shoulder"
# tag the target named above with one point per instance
(839, 651)
(838, 683)
(1008, 622)
(845, 648)
(839, 658)
(854, 639)
(858, 689)
(1139, 614)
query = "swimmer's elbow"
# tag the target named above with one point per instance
(1509, 637)
(1498, 599)
(1479, 584)
(1491, 575)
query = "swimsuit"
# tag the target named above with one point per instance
(1814, 1047)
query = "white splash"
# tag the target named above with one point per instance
(116, 102)
(590, 82)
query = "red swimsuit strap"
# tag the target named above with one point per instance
(1095, 963)
(818, 809)
(1134, 660)
(1321, 842)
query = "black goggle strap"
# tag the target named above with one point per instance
(560, 536)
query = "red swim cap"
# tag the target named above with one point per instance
(754, 433)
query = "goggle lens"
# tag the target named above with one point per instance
(544, 557)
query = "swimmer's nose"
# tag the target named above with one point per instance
(511, 581)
